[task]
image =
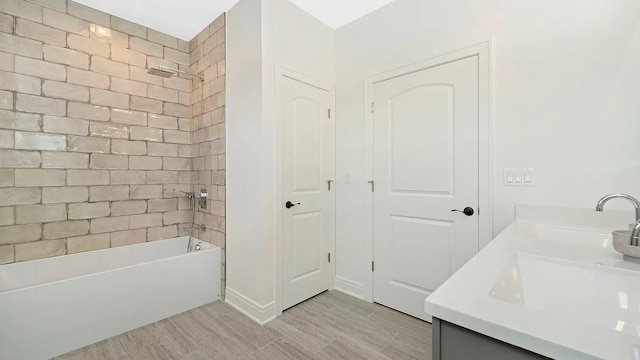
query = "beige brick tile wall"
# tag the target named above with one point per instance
(129, 117)
(207, 144)
(128, 27)
(59, 20)
(41, 105)
(6, 23)
(89, 14)
(7, 216)
(64, 160)
(6, 99)
(65, 56)
(129, 237)
(88, 78)
(35, 31)
(108, 35)
(21, 83)
(40, 249)
(160, 233)
(65, 125)
(19, 159)
(145, 47)
(41, 69)
(67, 194)
(65, 229)
(88, 111)
(20, 46)
(24, 10)
(57, 5)
(88, 243)
(91, 146)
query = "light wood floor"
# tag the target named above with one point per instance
(331, 325)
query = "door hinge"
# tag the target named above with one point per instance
(329, 257)
(329, 184)
(329, 113)
(373, 107)
(373, 266)
(373, 185)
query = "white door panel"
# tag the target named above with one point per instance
(425, 164)
(411, 134)
(305, 167)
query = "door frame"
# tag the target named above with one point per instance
(485, 162)
(281, 74)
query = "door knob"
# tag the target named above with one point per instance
(467, 211)
(289, 204)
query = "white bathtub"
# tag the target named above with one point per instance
(52, 306)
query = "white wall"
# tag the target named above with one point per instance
(566, 99)
(290, 38)
(247, 273)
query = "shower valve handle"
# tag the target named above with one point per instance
(289, 204)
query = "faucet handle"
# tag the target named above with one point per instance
(203, 198)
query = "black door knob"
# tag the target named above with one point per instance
(289, 204)
(467, 211)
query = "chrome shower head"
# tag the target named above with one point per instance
(166, 72)
(161, 71)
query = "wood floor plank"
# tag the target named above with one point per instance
(407, 348)
(283, 349)
(251, 334)
(227, 348)
(367, 332)
(309, 333)
(181, 338)
(141, 337)
(143, 353)
(402, 323)
(313, 307)
(331, 325)
(347, 349)
(348, 302)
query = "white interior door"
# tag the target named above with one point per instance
(306, 169)
(425, 164)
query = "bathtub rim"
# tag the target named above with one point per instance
(208, 247)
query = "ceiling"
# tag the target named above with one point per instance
(185, 20)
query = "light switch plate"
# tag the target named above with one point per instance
(519, 177)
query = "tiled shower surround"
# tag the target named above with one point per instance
(92, 148)
(208, 140)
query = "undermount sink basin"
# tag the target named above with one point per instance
(569, 290)
(575, 236)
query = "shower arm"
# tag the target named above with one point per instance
(161, 67)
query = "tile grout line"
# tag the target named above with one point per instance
(357, 341)
(264, 346)
(390, 342)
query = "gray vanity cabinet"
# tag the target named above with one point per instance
(452, 342)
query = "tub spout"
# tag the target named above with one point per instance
(190, 194)
(190, 229)
(200, 227)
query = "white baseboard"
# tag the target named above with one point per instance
(261, 314)
(351, 288)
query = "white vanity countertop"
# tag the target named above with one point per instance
(550, 283)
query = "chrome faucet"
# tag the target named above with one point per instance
(633, 240)
(635, 233)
